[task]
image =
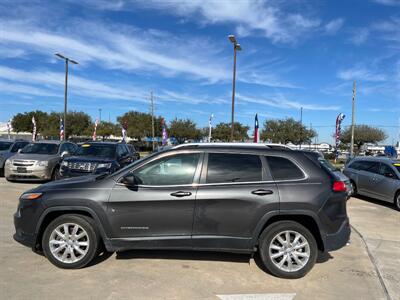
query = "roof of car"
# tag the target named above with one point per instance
(48, 142)
(227, 146)
(12, 140)
(100, 143)
(376, 158)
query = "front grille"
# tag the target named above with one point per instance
(82, 166)
(23, 163)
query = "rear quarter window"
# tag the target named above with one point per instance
(284, 169)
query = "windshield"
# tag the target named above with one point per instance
(326, 164)
(41, 148)
(5, 145)
(98, 150)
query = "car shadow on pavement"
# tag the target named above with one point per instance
(184, 255)
(375, 201)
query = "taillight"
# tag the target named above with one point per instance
(339, 186)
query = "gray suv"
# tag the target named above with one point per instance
(375, 177)
(9, 148)
(38, 161)
(242, 199)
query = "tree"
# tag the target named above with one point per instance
(105, 129)
(285, 131)
(48, 125)
(222, 132)
(183, 130)
(22, 122)
(363, 134)
(139, 124)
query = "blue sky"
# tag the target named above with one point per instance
(295, 54)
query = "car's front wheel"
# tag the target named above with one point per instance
(288, 249)
(70, 241)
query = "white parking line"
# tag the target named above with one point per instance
(257, 297)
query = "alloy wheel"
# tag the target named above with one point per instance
(69, 243)
(289, 251)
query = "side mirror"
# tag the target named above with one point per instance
(64, 154)
(389, 175)
(19, 150)
(129, 180)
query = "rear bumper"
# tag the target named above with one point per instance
(338, 239)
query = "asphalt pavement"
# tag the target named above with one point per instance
(365, 269)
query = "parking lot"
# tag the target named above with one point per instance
(365, 269)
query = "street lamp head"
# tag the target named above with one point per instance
(60, 55)
(238, 47)
(232, 38)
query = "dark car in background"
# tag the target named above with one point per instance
(375, 177)
(134, 152)
(96, 158)
(38, 161)
(242, 199)
(9, 148)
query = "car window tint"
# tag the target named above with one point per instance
(172, 170)
(18, 145)
(223, 167)
(369, 166)
(355, 165)
(283, 169)
(385, 169)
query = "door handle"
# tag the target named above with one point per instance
(181, 194)
(262, 192)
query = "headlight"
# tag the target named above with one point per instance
(103, 166)
(64, 163)
(42, 163)
(8, 162)
(30, 196)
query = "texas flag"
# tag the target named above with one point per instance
(256, 132)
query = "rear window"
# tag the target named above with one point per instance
(5, 145)
(325, 163)
(284, 169)
(223, 167)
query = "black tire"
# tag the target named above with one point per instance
(56, 173)
(88, 225)
(269, 235)
(353, 184)
(397, 201)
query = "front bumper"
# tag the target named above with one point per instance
(338, 239)
(31, 173)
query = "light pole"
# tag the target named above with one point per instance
(67, 60)
(301, 126)
(236, 47)
(99, 115)
(353, 119)
(209, 127)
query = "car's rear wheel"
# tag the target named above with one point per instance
(354, 188)
(288, 249)
(397, 201)
(70, 241)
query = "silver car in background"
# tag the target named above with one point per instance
(38, 161)
(9, 148)
(375, 177)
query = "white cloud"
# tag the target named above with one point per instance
(360, 36)
(128, 49)
(260, 17)
(360, 73)
(281, 102)
(333, 26)
(388, 2)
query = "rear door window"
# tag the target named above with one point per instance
(229, 167)
(284, 169)
(369, 166)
